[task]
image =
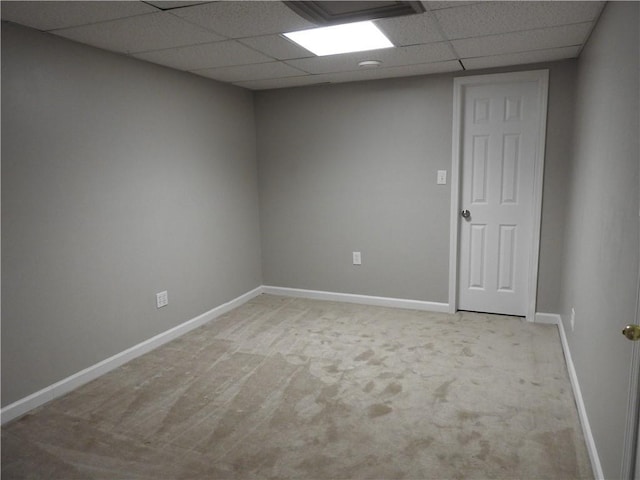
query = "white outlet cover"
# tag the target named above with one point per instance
(442, 177)
(162, 299)
(357, 258)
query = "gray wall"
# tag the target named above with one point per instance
(120, 179)
(600, 261)
(352, 167)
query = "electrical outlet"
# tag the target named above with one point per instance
(442, 177)
(573, 318)
(357, 258)
(162, 299)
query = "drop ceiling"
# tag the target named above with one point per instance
(240, 42)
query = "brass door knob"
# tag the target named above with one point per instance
(632, 332)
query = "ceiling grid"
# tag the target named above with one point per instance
(241, 42)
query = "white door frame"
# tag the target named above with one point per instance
(541, 77)
(631, 445)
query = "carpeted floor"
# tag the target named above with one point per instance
(289, 388)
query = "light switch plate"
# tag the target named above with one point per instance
(357, 258)
(442, 177)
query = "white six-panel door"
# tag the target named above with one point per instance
(499, 140)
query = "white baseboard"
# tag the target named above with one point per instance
(582, 411)
(361, 299)
(74, 381)
(547, 318)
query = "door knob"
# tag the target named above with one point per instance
(632, 332)
(465, 213)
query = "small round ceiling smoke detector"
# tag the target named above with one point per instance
(370, 63)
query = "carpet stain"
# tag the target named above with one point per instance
(332, 432)
(392, 389)
(262, 459)
(552, 443)
(485, 449)
(328, 393)
(365, 356)
(466, 351)
(466, 415)
(332, 369)
(511, 462)
(378, 410)
(427, 346)
(369, 387)
(417, 446)
(376, 361)
(440, 394)
(465, 438)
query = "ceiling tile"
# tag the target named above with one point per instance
(536, 56)
(277, 47)
(194, 57)
(138, 34)
(244, 18)
(390, 57)
(167, 4)
(358, 75)
(487, 18)
(411, 29)
(288, 82)
(552, 37)
(429, 5)
(401, 71)
(242, 73)
(51, 15)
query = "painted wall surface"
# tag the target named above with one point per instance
(600, 260)
(352, 167)
(120, 179)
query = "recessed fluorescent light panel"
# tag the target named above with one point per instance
(350, 37)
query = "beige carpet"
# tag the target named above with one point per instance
(292, 388)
